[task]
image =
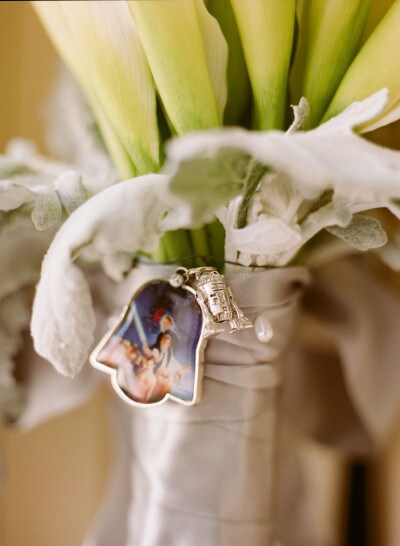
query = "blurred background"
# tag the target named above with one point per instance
(54, 476)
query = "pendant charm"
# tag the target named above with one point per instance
(155, 352)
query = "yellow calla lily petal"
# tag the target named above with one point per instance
(333, 34)
(377, 65)
(238, 101)
(376, 14)
(116, 64)
(266, 29)
(216, 50)
(187, 54)
(53, 19)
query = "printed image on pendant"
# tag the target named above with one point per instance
(153, 351)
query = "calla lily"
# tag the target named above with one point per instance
(333, 32)
(238, 101)
(266, 30)
(188, 60)
(375, 66)
(99, 42)
(187, 54)
(52, 16)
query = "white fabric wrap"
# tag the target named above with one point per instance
(204, 474)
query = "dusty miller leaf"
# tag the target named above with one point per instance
(118, 221)
(47, 209)
(362, 233)
(210, 181)
(71, 191)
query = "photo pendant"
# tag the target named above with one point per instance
(156, 351)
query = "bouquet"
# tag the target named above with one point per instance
(191, 110)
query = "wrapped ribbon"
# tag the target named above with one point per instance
(204, 474)
(212, 474)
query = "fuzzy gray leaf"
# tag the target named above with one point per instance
(47, 210)
(362, 233)
(210, 181)
(71, 191)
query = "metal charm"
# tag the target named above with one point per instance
(214, 297)
(155, 352)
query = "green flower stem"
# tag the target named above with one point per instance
(160, 255)
(216, 239)
(199, 244)
(253, 179)
(176, 245)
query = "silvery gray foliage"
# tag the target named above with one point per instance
(120, 220)
(34, 193)
(362, 233)
(48, 188)
(37, 190)
(72, 133)
(14, 321)
(316, 179)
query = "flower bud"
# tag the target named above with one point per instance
(376, 65)
(266, 29)
(187, 54)
(99, 42)
(334, 29)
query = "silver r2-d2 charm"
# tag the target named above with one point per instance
(214, 297)
(155, 353)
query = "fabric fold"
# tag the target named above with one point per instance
(259, 376)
